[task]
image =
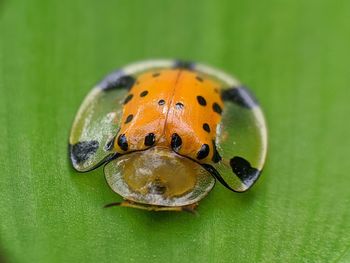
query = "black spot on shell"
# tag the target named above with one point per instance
(143, 93)
(129, 118)
(240, 96)
(206, 127)
(126, 81)
(201, 100)
(216, 156)
(82, 151)
(179, 105)
(244, 171)
(217, 108)
(117, 81)
(161, 102)
(199, 79)
(123, 142)
(184, 65)
(176, 142)
(203, 152)
(154, 75)
(150, 139)
(128, 98)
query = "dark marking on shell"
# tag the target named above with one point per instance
(217, 108)
(161, 102)
(179, 106)
(184, 65)
(201, 100)
(240, 96)
(203, 152)
(117, 80)
(154, 75)
(82, 151)
(123, 142)
(206, 127)
(150, 139)
(176, 142)
(216, 156)
(143, 93)
(244, 171)
(128, 98)
(129, 118)
(199, 79)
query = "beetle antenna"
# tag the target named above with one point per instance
(112, 204)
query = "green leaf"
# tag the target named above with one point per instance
(293, 54)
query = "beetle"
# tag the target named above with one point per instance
(166, 130)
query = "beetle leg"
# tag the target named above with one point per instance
(188, 208)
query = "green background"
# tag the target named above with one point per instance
(293, 54)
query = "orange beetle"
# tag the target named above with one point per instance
(166, 130)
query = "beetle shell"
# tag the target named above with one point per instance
(165, 130)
